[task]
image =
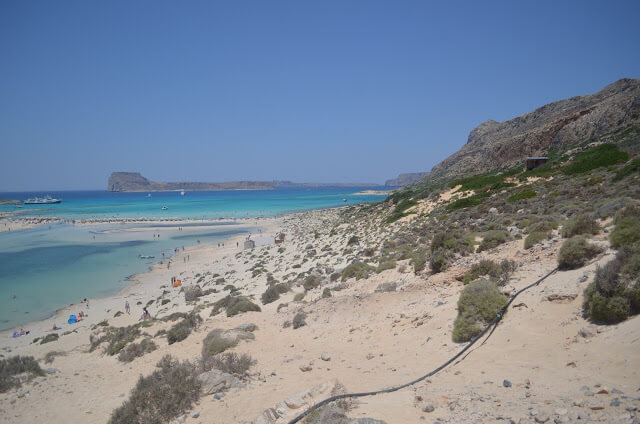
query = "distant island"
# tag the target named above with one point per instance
(134, 181)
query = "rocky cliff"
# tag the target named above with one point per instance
(553, 127)
(134, 181)
(405, 179)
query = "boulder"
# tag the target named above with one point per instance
(215, 381)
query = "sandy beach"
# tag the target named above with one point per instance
(555, 362)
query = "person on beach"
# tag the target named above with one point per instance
(145, 315)
(127, 308)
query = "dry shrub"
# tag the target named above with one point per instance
(192, 293)
(299, 320)
(575, 252)
(181, 330)
(478, 305)
(162, 396)
(16, 365)
(136, 350)
(583, 224)
(229, 362)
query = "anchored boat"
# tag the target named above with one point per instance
(46, 200)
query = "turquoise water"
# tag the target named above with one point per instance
(49, 267)
(195, 204)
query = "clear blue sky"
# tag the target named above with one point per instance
(325, 91)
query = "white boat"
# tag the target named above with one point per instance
(164, 208)
(182, 193)
(146, 256)
(46, 200)
(148, 194)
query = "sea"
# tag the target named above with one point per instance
(51, 266)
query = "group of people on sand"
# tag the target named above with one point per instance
(20, 333)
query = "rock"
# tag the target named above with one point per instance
(609, 228)
(428, 406)
(369, 421)
(506, 383)
(182, 418)
(325, 356)
(541, 418)
(215, 381)
(585, 332)
(493, 211)
(596, 406)
(309, 246)
(561, 298)
(219, 396)
(195, 414)
(306, 368)
(561, 411)
(250, 327)
(584, 277)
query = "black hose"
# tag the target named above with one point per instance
(491, 326)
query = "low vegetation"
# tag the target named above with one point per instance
(582, 224)
(498, 272)
(575, 252)
(596, 157)
(116, 338)
(229, 362)
(357, 269)
(493, 239)
(273, 292)
(12, 368)
(234, 305)
(136, 350)
(478, 305)
(182, 329)
(162, 396)
(534, 238)
(522, 195)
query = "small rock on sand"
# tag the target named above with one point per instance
(325, 356)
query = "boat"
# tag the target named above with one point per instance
(146, 256)
(182, 193)
(344, 200)
(148, 194)
(164, 208)
(46, 200)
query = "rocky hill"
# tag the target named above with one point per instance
(405, 179)
(608, 115)
(134, 181)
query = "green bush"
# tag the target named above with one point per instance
(311, 282)
(51, 337)
(467, 202)
(525, 194)
(575, 252)
(438, 261)
(596, 157)
(162, 396)
(358, 270)
(228, 362)
(493, 239)
(326, 292)
(534, 238)
(299, 320)
(181, 330)
(217, 342)
(136, 350)
(476, 182)
(400, 210)
(299, 296)
(353, 240)
(115, 337)
(631, 168)
(479, 303)
(14, 366)
(273, 293)
(583, 224)
(385, 265)
(626, 232)
(497, 272)
(234, 305)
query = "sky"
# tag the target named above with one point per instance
(308, 91)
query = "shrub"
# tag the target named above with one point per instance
(497, 272)
(136, 350)
(583, 224)
(52, 337)
(476, 182)
(165, 301)
(437, 261)
(525, 194)
(115, 337)
(181, 330)
(478, 305)
(311, 282)
(534, 238)
(270, 295)
(299, 296)
(299, 320)
(492, 239)
(467, 202)
(216, 342)
(400, 211)
(596, 157)
(419, 260)
(14, 366)
(51, 356)
(627, 231)
(326, 292)
(358, 270)
(192, 293)
(385, 265)
(353, 240)
(575, 252)
(234, 305)
(631, 168)
(228, 362)
(162, 396)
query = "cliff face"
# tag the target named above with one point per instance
(557, 125)
(133, 181)
(406, 179)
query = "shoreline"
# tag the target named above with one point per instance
(142, 283)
